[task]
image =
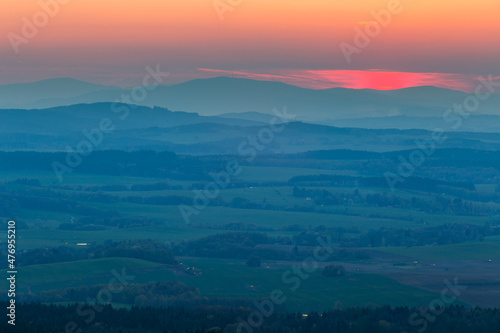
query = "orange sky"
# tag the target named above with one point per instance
(111, 41)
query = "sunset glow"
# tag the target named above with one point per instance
(112, 41)
(370, 79)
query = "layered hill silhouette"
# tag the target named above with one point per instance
(160, 129)
(222, 95)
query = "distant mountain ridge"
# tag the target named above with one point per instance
(22, 95)
(222, 95)
(160, 129)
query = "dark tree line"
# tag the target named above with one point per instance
(154, 294)
(38, 318)
(410, 183)
(435, 235)
(432, 204)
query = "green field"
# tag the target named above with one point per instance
(464, 251)
(232, 279)
(32, 238)
(282, 174)
(223, 278)
(75, 273)
(44, 224)
(48, 178)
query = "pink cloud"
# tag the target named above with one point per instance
(356, 79)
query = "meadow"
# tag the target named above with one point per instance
(271, 208)
(222, 278)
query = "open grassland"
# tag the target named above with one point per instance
(282, 174)
(30, 239)
(48, 178)
(464, 251)
(233, 279)
(75, 273)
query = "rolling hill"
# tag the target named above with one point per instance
(220, 95)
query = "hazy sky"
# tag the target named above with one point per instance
(425, 42)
